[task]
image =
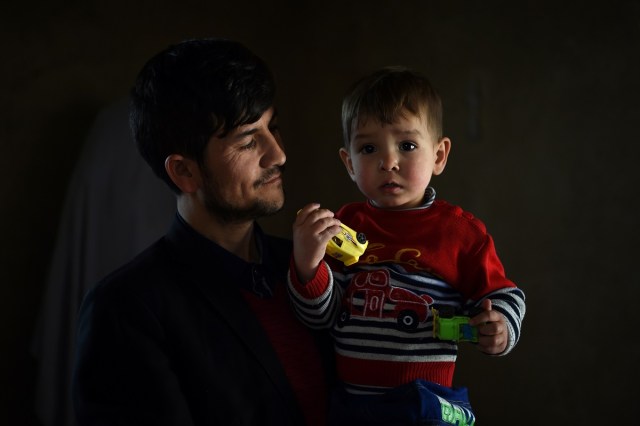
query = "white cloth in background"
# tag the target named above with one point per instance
(114, 208)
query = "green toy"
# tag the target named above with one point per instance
(447, 326)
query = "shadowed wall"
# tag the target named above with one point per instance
(541, 102)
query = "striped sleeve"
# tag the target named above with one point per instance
(317, 302)
(510, 302)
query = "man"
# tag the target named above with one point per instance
(197, 330)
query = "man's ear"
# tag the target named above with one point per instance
(184, 172)
(442, 153)
(346, 160)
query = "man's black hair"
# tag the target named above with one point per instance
(193, 90)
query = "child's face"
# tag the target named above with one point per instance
(392, 164)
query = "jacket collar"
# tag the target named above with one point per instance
(208, 259)
(220, 276)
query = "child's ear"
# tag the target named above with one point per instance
(442, 153)
(184, 172)
(346, 160)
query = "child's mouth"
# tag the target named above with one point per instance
(390, 186)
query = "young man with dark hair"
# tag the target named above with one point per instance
(197, 329)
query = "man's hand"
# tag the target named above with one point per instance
(312, 230)
(493, 334)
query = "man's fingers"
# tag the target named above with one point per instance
(301, 215)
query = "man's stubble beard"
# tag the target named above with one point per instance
(231, 213)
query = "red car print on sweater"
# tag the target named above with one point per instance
(370, 295)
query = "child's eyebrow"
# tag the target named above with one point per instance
(396, 132)
(407, 132)
(360, 135)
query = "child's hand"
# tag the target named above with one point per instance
(312, 230)
(492, 329)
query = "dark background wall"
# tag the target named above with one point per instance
(541, 102)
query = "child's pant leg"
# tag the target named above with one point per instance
(417, 403)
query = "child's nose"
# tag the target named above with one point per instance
(389, 162)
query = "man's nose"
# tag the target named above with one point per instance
(274, 152)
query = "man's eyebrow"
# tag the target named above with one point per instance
(246, 133)
(253, 130)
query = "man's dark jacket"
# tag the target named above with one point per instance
(169, 340)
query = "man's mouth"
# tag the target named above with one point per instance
(274, 175)
(269, 180)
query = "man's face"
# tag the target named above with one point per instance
(242, 173)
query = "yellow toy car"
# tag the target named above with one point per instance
(347, 246)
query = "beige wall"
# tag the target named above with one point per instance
(541, 103)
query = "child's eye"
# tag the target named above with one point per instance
(407, 146)
(367, 149)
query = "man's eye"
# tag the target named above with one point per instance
(367, 149)
(407, 146)
(250, 145)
